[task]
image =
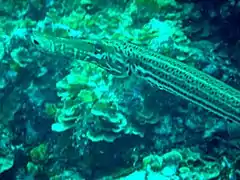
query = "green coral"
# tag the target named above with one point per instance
(172, 157)
(195, 166)
(183, 163)
(39, 154)
(6, 162)
(111, 122)
(78, 93)
(32, 168)
(89, 96)
(154, 161)
(157, 163)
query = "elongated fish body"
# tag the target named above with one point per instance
(92, 51)
(182, 80)
(61, 46)
(122, 58)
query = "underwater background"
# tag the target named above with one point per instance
(64, 118)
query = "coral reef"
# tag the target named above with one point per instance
(64, 118)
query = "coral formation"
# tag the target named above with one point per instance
(61, 117)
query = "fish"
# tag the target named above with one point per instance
(124, 59)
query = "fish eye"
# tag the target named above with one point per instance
(35, 42)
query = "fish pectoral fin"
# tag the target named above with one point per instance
(118, 75)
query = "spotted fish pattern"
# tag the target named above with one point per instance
(123, 59)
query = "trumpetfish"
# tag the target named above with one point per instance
(123, 59)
